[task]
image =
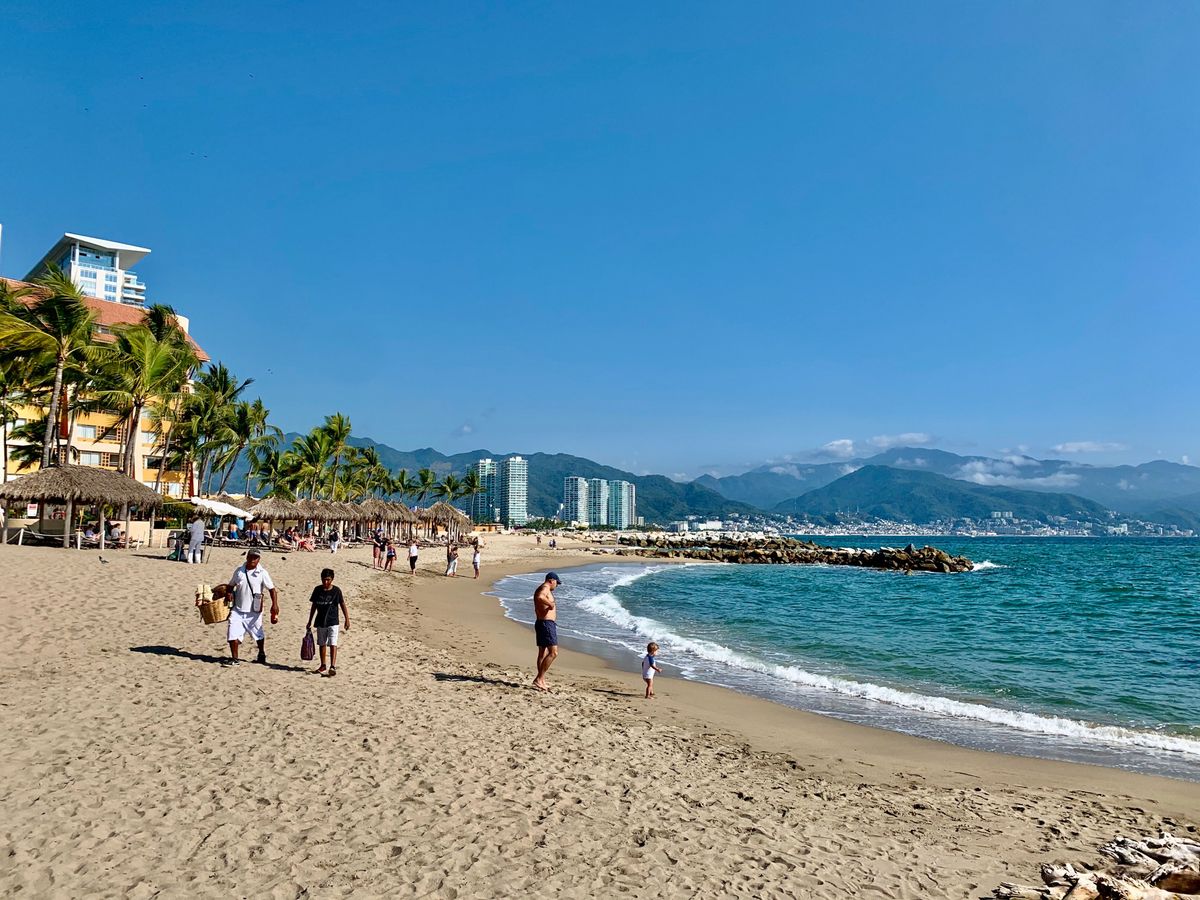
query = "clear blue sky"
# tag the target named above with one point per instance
(664, 236)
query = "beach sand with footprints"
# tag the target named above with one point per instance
(133, 764)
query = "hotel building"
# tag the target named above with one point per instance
(597, 502)
(484, 507)
(622, 504)
(514, 490)
(575, 500)
(96, 437)
(100, 268)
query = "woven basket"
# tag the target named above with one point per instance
(213, 611)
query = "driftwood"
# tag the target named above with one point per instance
(1161, 868)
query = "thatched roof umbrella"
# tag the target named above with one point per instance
(80, 484)
(274, 508)
(311, 509)
(443, 513)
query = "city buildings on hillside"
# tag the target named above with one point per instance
(514, 490)
(595, 502)
(115, 295)
(99, 267)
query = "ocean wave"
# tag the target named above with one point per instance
(987, 564)
(607, 606)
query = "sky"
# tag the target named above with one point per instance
(669, 237)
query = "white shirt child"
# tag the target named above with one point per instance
(648, 666)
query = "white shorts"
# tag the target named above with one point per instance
(246, 623)
(327, 637)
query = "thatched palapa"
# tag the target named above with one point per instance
(81, 484)
(275, 508)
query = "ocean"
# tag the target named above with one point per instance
(1074, 649)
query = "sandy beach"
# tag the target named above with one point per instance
(135, 765)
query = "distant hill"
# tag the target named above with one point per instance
(659, 499)
(1128, 489)
(913, 496)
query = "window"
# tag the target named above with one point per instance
(101, 329)
(149, 437)
(87, 432)
(19, 422)
(110, 276)
(89, 459)
(87, 273)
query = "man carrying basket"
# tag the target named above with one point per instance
(246, 586)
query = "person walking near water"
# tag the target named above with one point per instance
(246, 586)
(545, 628)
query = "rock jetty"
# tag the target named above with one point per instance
(789, 551)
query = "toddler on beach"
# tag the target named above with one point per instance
(649, 667)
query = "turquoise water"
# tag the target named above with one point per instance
(1082, 649)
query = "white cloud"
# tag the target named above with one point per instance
(1126, 485)
(463, 430)
(908, 439)
(1088, 447)
(839, 449)
(1004, 473)
(848, 469)
(918, 462)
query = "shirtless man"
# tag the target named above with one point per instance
(545, 628)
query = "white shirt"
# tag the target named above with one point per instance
(475, 558)
(249, 585)
(196, 531)
(648, 664)
(412, 550)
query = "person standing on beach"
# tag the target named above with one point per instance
(413, 550)
(333, 541)
(246, 586)
(650, 667)
(545, 628)
(377, 548)
(452, 560)
(476, 559)
(325, 602)
(195, 531)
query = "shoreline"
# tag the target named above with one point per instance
(763, 723)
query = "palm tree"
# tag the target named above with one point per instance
(312, 452)
(274, 470)
(401, 483)
(426, 482)
(134, 370)
(337, 426)
(207, 413)
(20, 376)
(248, 423)
(472, 486)
(59, 326)
(448, 489)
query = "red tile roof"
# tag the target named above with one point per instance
(108, 313)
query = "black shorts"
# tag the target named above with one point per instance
(546, 632)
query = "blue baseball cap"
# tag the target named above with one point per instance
(553, 575)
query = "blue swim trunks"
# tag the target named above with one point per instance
(546, 631)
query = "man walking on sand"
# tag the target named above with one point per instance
(246, 586)
(545, 628)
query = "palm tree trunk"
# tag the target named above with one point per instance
(162, 457)
(135, 425)
(229, 471)
(49, 439)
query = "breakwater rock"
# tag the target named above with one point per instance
(789, 551)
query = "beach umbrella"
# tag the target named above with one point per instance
(275, 508)
(85, 485)
(220, 508)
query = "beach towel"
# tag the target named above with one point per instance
(308, 647)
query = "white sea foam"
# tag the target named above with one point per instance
(985, 565)
(607, 606)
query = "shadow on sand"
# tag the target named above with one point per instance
(477, 679)
(159, 650)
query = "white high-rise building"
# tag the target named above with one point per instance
(575, 500)
(514, 490)
(597, 502)
(484, 507)
(98, 267)
(622, 504)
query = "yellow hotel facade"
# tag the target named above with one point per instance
(96, 438)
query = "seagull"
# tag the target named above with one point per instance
(103, 560)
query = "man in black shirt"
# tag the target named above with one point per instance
(325, 602)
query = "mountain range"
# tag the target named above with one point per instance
(1147, 490)
(905, 484)
(659, 499)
